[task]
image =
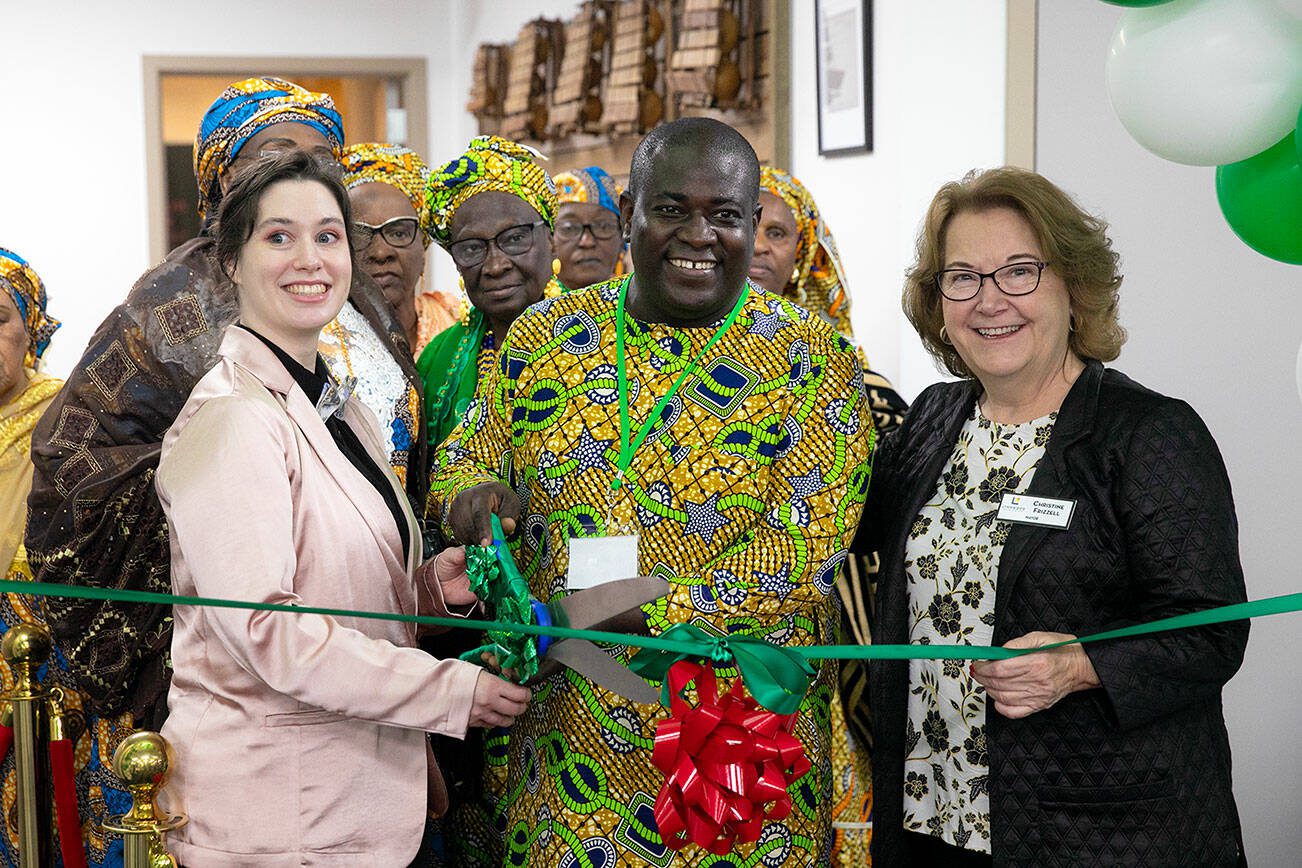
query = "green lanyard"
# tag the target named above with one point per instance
(627, 447)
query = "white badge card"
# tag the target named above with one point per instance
(1041, 511)
(595, 560)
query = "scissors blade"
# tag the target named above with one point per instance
(582, 609)
(596, 665)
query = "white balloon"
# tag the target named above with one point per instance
(1292, 7)
(1299, 372)
(1207, 82)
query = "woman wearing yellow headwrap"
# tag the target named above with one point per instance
(386, 186)
(25, 394)
(796, 257)
(493, 209)
(25, 330)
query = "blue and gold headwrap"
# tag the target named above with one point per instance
(589, 185)
(24, 286)
(490, 163)
(245, 109)
(381, 163)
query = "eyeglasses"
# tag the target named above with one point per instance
(572, 230)
(1019, 278)
(397, 232)
(324, 157)
(512, 241)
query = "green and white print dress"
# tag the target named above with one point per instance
(952, 561)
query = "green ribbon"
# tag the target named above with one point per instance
(495, 579)
(691, 643)
(777, 676)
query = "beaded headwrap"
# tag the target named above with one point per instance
(24, 286)
(588, 185)
(818, 282)
(490, 163)
(245, 109)
(395, 165)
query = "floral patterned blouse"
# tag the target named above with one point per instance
(952, 561)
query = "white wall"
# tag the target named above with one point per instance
(72, 132)
(938, 93)
(1218, 325)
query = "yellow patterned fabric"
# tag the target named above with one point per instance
(245, 109)
(819, 282)
(382, 163)
(490, 163)
(819, 285)
(18, 419)
(25, 289)
(852, 797)
(745, 497)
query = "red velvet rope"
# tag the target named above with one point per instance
(65, 804)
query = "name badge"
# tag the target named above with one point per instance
(1044, 511)
(596, 560)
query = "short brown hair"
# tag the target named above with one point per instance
(239, 207)
(1073, 242)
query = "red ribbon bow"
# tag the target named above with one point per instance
(724, 762)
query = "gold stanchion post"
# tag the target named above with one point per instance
(25, 647)
(142, 761)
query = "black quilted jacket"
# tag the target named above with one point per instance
(1138, 771)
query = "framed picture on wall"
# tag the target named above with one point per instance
(843, 37)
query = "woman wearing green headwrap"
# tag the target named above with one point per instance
(493, 209)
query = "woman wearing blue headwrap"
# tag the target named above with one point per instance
(589, 239)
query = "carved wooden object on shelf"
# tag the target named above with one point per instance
(703, 69)
(589, 89)
(534, 59)
(633, 104)
(576, 99)
(488, 86)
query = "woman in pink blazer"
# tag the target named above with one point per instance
(300, 739)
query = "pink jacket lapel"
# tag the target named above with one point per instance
(249, 352)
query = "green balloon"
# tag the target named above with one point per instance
(1136, 4)
(1261, 198)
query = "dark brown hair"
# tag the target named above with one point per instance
(239, 207)
(1074, 243)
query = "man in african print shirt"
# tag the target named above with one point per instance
(744, 492)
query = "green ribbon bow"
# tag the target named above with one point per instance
(495, 579)
(776, 676)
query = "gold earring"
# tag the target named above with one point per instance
(944, 338)
(556, 267)
(464, 316)
(795, 274)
